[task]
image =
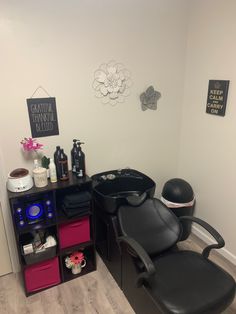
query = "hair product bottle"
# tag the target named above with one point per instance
(73, 156)
(56, 158)
(63, 166)
(80, 161)
(52, 171)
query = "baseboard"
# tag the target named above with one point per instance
(204, 237)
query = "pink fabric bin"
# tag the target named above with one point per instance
(75, 232)
(42, 275)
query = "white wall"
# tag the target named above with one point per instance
(59, 45)
(208, 143)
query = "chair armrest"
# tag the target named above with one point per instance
(220, 241)
(144, 257)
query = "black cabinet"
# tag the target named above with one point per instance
(41, 212)
(107, 230)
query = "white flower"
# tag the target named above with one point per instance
(111, 82)
(68, 262)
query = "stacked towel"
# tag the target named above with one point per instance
(77, 204)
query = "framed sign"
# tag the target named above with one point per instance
(217, 97)
(43, 116)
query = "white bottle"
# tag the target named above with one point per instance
(36, 163)
(52, 171)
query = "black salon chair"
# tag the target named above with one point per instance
(157, 277)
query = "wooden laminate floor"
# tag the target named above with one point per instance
(95, 293)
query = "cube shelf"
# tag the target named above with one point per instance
(41, 211)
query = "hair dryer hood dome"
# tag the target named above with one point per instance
(178, 191)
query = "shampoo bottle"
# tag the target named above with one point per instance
(56, 158)
(73, 156)
(63, 166)
(52, 171)
(80, 161)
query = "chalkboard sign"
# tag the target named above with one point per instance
(43, 116)
(217, 97)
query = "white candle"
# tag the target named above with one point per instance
(40, 177)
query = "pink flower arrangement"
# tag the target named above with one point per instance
(30, 144)
(74, 259)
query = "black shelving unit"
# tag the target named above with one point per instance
(46, 269)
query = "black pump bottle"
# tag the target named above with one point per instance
(56, 158)
(74, 152)
(80, 161)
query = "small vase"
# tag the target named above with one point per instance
(76, 269)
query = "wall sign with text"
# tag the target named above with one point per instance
(217, 97)
(43, 116)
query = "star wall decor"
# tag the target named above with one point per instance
(149, 99)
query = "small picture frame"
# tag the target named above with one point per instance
(217, 97)
(43, 116)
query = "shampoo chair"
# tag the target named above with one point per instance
(157, 277)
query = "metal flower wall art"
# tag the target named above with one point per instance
(112, 83)
(149, 99)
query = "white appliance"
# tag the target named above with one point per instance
(19, 180)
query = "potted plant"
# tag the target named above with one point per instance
(45, 164)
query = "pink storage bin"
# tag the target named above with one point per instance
(42, 275)
(75, 232)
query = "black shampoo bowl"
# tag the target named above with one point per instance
(118, 187)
